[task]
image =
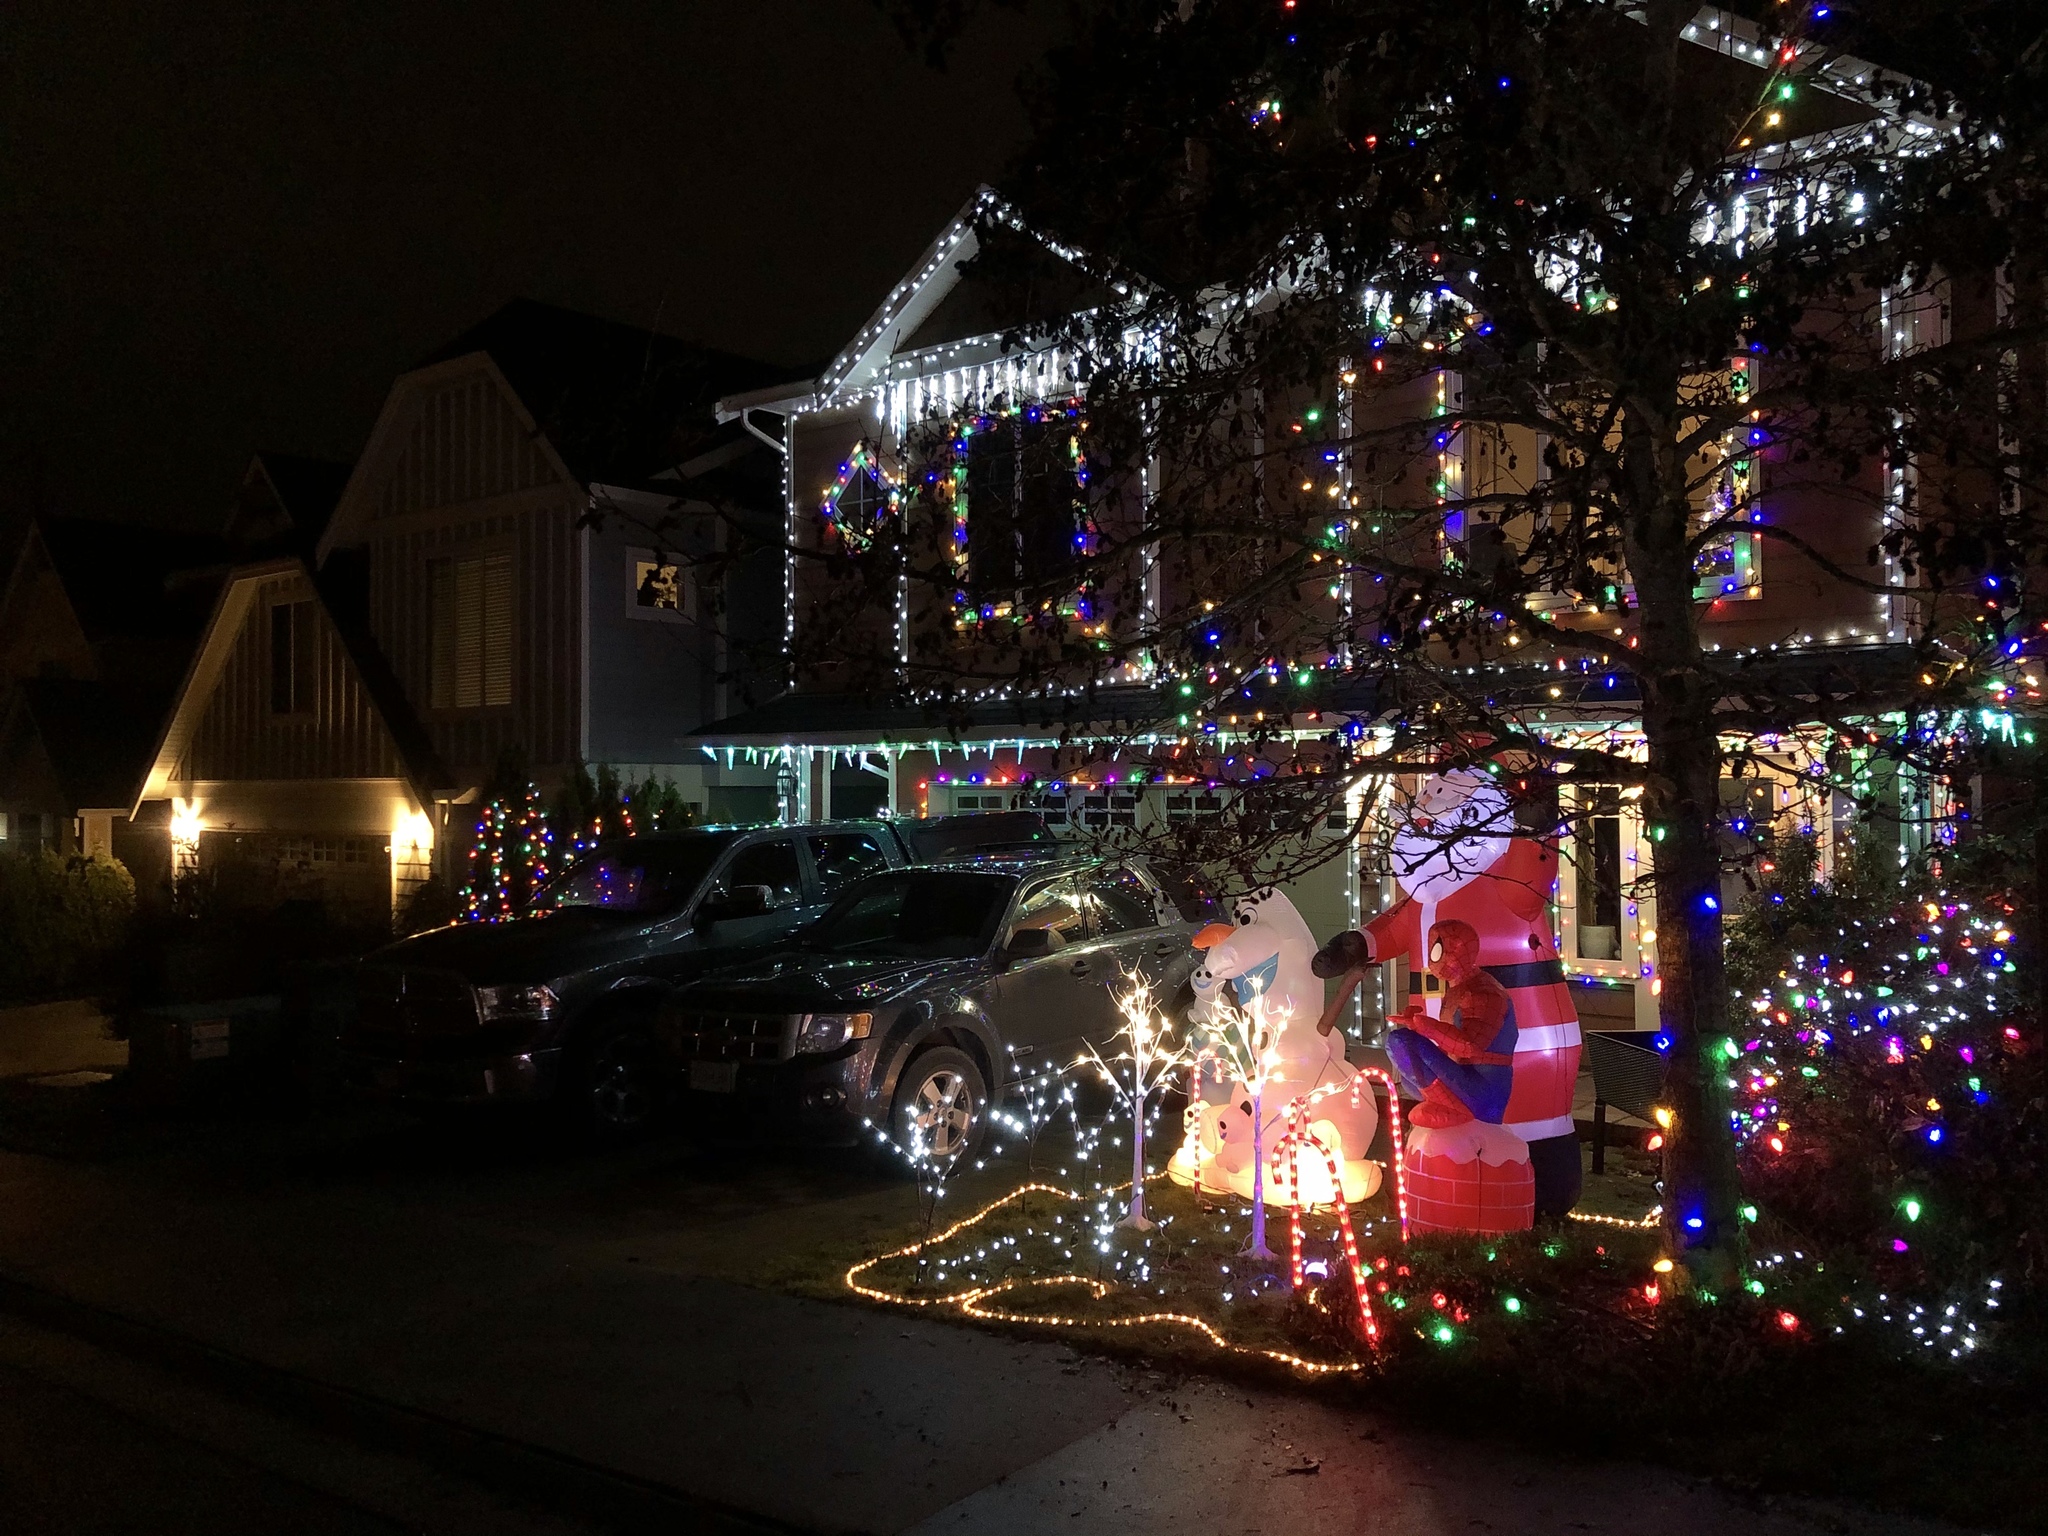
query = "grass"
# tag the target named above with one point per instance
(1550, 1329)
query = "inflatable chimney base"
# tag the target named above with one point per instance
(1469, 1177)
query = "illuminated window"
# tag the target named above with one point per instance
(657, 584)
(1597, 861)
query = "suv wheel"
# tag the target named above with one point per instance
(941, 1105)
(618, 1088)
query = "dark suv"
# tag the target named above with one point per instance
(923, 991)
(558, 1003)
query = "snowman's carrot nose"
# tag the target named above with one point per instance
(1211, 936)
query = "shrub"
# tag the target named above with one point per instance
(61, 919)
(1891, 1086)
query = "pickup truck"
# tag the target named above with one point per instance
(558, 1004)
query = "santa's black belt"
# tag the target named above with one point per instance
(1535, 973)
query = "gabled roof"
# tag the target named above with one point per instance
(938, 302)
(338, 595)
(601, 403)
(284, 504)
(620, 403)
(95, 735)
(125, 581)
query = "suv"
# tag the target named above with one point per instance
(923, 991)
(557, 1004)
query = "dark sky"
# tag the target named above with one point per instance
(228, 227)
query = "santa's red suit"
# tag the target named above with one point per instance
(1507, 904)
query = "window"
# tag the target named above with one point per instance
(772, 864)
(1119, 902)
(1024, 524)
(293, 652)
(1054, 906)
(917, 913)
(843, 857)
(1117, 808)
(1598, 874)
(1192, 892)
(470, 601)
(657, 585)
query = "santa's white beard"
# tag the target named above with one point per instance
(1431, 863)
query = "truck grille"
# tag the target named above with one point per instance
(735, 1036)
(396, 1010)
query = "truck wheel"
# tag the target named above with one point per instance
(941, 1105)
(618, 1087)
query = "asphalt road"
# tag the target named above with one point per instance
(464, 1326)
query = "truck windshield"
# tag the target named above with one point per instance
(644, 876)
(919, 914)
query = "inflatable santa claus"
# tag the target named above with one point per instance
(1458, 858)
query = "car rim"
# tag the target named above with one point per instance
(944, 1112)
(620, 1091)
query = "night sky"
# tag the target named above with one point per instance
(225, 228)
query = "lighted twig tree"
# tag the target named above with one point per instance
(1240, 1040)
(1139, 1073)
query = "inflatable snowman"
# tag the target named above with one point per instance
(1266, 957)
(1457, 858)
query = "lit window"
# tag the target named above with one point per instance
(657, 584)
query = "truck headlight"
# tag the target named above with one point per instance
(829, 1031)
(516, 1002)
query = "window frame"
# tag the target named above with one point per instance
(445, 666)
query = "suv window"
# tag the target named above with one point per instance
(1056, 906)
(1191, 891)
(772, 864)
(843, 857)
(1120, 901)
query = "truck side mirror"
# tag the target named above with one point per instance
(740, 901)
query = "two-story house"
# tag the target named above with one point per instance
(942, 347)
(503, 576)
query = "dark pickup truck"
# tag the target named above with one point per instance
(558, 1004)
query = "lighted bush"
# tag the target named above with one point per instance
(1890, 1085)
(60, 919)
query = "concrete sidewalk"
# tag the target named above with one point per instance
(578, 1308)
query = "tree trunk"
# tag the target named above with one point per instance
(1681, 807)
(1702, 1198)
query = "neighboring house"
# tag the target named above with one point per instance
(97, 621)
(503, 575)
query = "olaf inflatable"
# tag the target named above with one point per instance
(1265, 957)
(1457, 860)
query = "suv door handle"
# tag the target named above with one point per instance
(1166, 947)
(1078, 969)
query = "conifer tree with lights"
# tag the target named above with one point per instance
(1448, 368)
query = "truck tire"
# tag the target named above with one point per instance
(617, 1085)
(941, 1105)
